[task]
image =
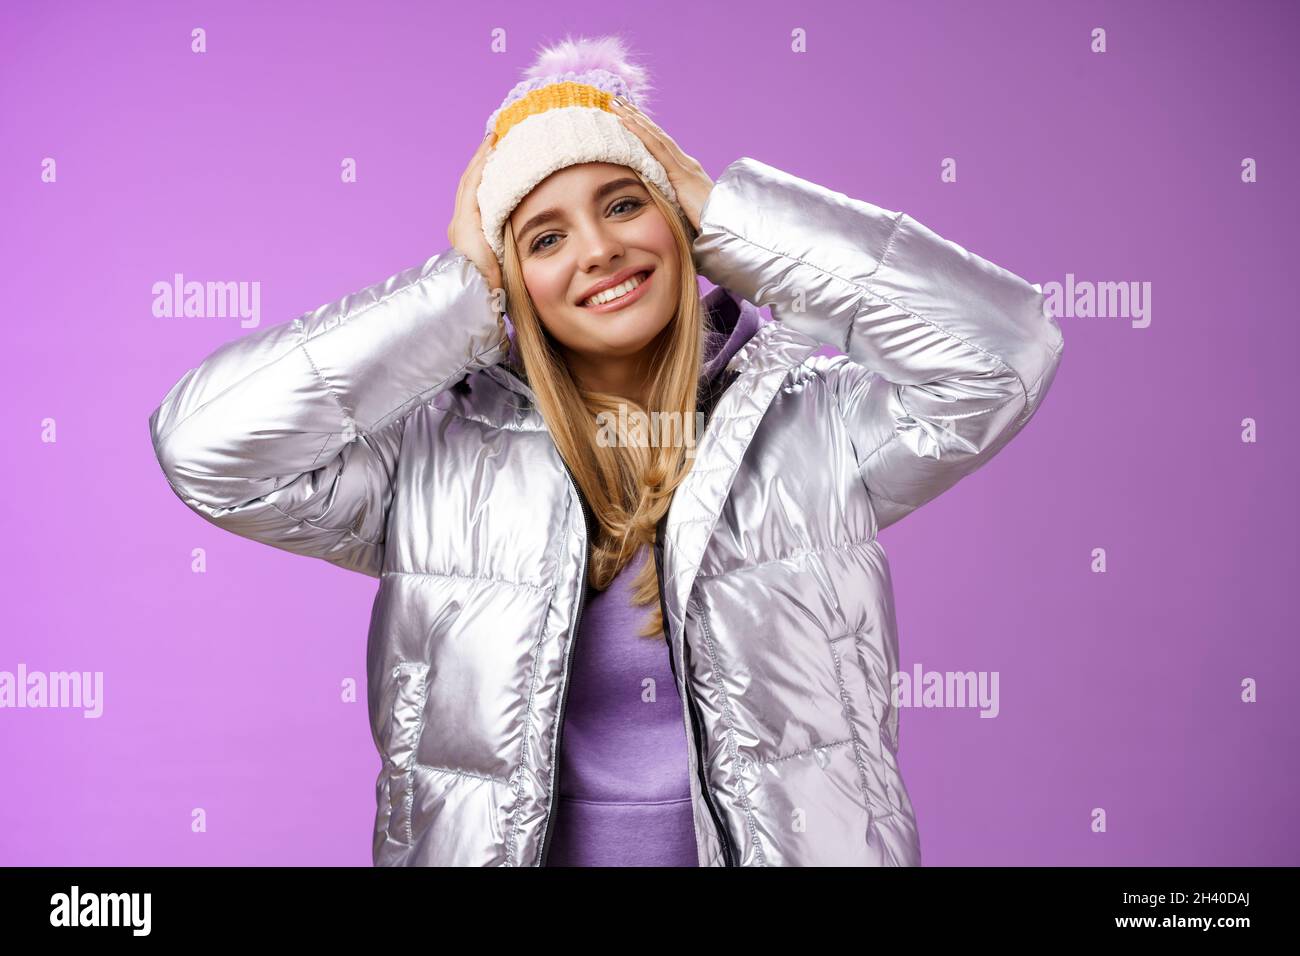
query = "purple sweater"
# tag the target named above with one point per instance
(625, 794)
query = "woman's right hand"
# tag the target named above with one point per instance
(466, 230)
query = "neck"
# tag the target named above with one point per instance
(627, 376)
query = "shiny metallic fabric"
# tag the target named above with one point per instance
(379, 433)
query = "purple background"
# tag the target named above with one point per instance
(222, 690)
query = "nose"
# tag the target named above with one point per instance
(597, 247)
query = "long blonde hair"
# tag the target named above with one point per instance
(628, 483)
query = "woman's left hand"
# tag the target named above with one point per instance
(688, 178)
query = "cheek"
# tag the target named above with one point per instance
(661, 243)
(549, 289)
(657, 237)
(546, 286)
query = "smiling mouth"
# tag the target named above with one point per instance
(641, 279)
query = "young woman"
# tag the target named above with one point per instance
(597, 640)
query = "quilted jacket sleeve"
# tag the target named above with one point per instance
(290, 435)
(947, 355)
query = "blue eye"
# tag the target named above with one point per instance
(636, 203)
(538, 247)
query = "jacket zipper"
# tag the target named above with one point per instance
(568, 680)
(695, 721)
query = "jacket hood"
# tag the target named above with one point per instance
(735, 318)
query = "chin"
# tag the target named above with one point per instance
(612, 337)
(624, 348)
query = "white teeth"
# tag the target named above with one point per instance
(609, 295)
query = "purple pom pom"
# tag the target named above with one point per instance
(606, 53)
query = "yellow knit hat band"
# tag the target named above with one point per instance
(552, 96)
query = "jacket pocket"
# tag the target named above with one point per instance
(406, 723)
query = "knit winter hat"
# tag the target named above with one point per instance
(559, 115)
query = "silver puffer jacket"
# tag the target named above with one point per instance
(383, 433)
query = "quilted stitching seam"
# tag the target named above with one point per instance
(847, 702)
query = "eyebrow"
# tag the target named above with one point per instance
(547, 215)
